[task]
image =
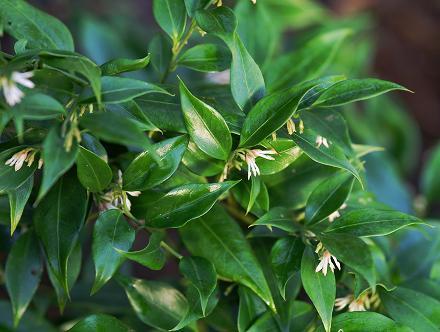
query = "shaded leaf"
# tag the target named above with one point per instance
(17, 201)
(122, 65)
(93, 172)
(206, 58)
(171, 16)
(100, 323)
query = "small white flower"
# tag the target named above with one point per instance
(18, 159)
(134, 193)
(249, 157)
(301, 126)
(12, 93)
(321, 141)
(254, 1)
(40, 163)
(336, 214)
(326, 260)
(290, 126)
(342, 302)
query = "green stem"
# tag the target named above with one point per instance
(168, 248)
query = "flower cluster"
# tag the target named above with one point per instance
(326, 260)
(11, 91)
(24, 156)
(363, 303)
(320, 140)
(249, 157)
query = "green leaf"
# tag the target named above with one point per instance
(9, 178)
(270, 114)
(328, 197)
(252, 196)
(286, 257)
(200, 163)
(120, 89)
(321, 289)
(155, 303)
(180, 205)
(145, 173)
(100, 323)
(353, 252)
(219, 239)
(365, 322)
(152, 256)
(93, 172)
(57, 160)
(205, 125)
(17, 201)
(194, 5)
(122, 65)
(287, 153)
(42, 31)
(250, 308)
(202, 275)
(104, 124)
(278, 217)
(302, 314)
(255, 191)
(171, 16)
(206, 58)
(58, 220)
(219, 21)
(413, 309)
(38, 107)
(112, 231)
(131, 110)
(430, 183)
(372, 222)
(309, 61)
(23, 273)
(161, 54)
(352, 90)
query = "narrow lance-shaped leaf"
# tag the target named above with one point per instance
(321, 289)
(38, 106)
(122, 65)
(17, 201)
(250, 308)
(278, 217)
(180, 205)
(100, 322)
(23, 272)
(93, 172)
(58, 219)
(352, 90)
(111, 231)
(205, 125)
(171, 16)
(206, 58)
(202, 275)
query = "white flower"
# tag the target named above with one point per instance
(12, 93)
(362, 303)
(254, 1)
(290, 126)
(321, 141)
(342, 302)
(18, 159)
(358, 305)
(336, 214)
(326, 260)
(249, 157)
(301, 126)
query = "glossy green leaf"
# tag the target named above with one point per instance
(220, 21)
(112, 231)
(250, 308)
(39, 29)
(352, 90)
(100, 323)
(17, 201)
(171, 16)
(122, 65)
(302, 315)
(286, 255)
(266, 322)
(152, 256)
(23, 273)
(413, 309)
(255, 191)
(9, 178)
(180, 205)
(144, 172)
(205, 125)
(93, 172)
(328, 197)
(161, 54)
(57, 160)
(252, 196)
(353, 252)
(131, 110)
(287, 153)
(372, 222)
(38, 107)
(193, 5)
(202, 275)
(200, 163)
(206, 58)
(307, 62)
(218, 238)
(278, 217)
(320, 289)
(58, 220)
(155, 303)
(120, 89)
(430, 180)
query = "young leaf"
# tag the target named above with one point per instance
(352, 90)
(206, 58)
(111, 232)
(205, 125)
(17, 201)
(40, 30)
(171, 16)
(180, 205)
(201, 273)
(250, 308)
(152, 256)
(23, 272)
(286, 257)
(144, 172)
(58, 219)
(321, 289)
(121, 65)
(413, 309)
(328, 197)
(93, 172)
(372, 222)
(100, 322)
(57, 160)
(218, 238)
(155, 303)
